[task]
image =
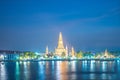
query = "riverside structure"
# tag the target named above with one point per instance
(60, 53)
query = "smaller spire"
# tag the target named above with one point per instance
(72, 52)
(106, 53)
(66, 50)
(66, 47)
(46, 49)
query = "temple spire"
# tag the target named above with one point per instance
(106, 53)
(66, 50)
(60, 42)
(46, 49)
(72, 52)
(60, 47)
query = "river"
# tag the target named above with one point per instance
(60, 70)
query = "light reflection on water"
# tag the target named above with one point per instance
(60, 70)
(17, 71)
(3, 72)
(41, 71)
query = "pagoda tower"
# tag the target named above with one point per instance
(60, 48)
(106, 54)
(66, 51)
(47, 50)
(72, 52)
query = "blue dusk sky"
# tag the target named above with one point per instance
(88, 25)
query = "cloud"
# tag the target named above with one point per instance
(112, 12)
(72, 22)
(63, 19)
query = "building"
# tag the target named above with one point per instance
(60, 47)
(72, 52)
(107, 55)
(47, 50)
(66, 51)
(9, 55)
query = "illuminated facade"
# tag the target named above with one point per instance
(106, 54)
(10, 55)
(47, 50)
(66, 51)
(60, 48)
(72, 52)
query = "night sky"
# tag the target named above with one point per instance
(88, 25)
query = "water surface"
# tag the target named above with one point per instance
(60, 70)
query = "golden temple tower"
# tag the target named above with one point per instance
(60, 41)
(60, 48)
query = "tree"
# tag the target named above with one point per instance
(79, 54)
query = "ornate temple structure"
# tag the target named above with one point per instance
(47, 50)
(66, 51)
(72, 52)
(60, 47)
(106, 54)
